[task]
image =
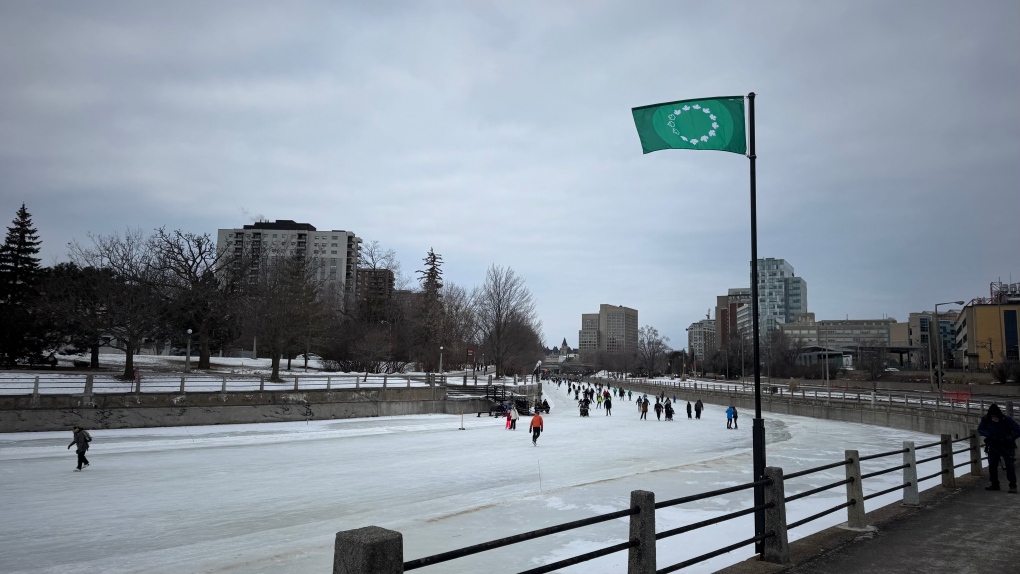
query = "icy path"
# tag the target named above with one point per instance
(270, 497)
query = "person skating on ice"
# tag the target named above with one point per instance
(80, 439)
(689, 415)
(729, 417)
(514, 415)
(658, 409)
(536, 427)
(734, 417)
(608, 403)
(698, 407)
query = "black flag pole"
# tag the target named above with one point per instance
(758, 426)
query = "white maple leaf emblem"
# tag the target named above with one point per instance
(696, 106)
(704, 138)
(676, 112)
(706, 110)
(686, 108)
(711, 133)
(715, 126)
(711, 117)
(694, 142)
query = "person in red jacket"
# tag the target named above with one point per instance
(536, 428)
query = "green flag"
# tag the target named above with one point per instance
(707, 123)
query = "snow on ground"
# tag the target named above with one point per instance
(270, 497)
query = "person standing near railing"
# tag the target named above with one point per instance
(1000, 434)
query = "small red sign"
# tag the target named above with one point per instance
(470, 352)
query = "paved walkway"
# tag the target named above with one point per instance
(971, 531)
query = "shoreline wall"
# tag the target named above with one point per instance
(131, 410)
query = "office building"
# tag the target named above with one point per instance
(614, 329)
(726, 308)
(781, 295)
(987, 330)
(701, 341)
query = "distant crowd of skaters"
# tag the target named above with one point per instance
(602, 397)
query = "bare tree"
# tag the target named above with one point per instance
(121, 275)
(652, 349)
(279, 303)
(195, 294)
(871, 354)
(505, 308)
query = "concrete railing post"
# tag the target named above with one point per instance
(182, 384)
(35, 392)
(948, 472)
(383, 382)
(329, 382)
(368, 550)
(911, 497)
(384, 377)
(641, 559)
(854, 492)
(975, 453)
(223, 387)
(777, 548)
(262, 384)
(89, 380)
(357, 382)
(295, 383)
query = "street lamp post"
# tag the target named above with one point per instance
(938, 330)
(440, 362)
(187, 355)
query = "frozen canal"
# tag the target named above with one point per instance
(270, 497)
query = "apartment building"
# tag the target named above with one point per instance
(332, 255)
(701, 340)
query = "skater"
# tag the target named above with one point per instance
(729, 417)
(689, 409)
(643, 407)
(598, 402)
(734, 417)
(514, 415)
(630, 395)
(536, 428)
(658, 409)
(81, 440)
(698, 407)
(609, 406)
(1000, 434)
(669, 410)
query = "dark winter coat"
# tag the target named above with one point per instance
(1000, 435)
(81, 440)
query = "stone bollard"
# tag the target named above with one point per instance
(975, 453)
(223, 388)
(855, 492)
(911, 497)
(89, 380)
(295, 383)
(948, 472)
(641, 559)
(182, 384)
(262, 384)
(775, 549)
(368, 550)
(384, 377)
(329, 383)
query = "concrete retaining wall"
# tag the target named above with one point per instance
(912, 417)
(111, 411)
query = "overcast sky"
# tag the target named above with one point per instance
(888, 139)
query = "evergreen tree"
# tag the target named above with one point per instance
(430, 311)
(20, 274)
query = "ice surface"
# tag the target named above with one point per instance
(270, 497)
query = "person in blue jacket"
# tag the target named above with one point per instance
(729, 417)
(1000, 434)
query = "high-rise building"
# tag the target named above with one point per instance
(987, 330)
(332, 255)
(781, 294)
(726, 313)
(701, 341)
(614, 329)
